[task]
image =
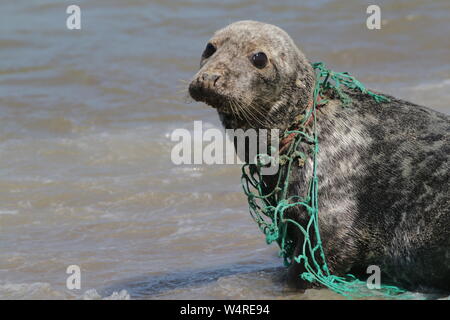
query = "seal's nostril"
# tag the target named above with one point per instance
(210, 78)
(214, 78)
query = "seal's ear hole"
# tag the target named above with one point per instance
(209, 51)
(259, 60)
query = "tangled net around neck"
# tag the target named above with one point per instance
(268, 208)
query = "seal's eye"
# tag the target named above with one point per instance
(259, 60)
(209, 51)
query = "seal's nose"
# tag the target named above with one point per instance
(204, 85)
(210, 79)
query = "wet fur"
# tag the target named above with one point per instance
(383, 168)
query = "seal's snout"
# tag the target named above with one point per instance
(205, 86)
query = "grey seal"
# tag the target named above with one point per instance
(383, 167)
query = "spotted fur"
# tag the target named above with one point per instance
(383, 168)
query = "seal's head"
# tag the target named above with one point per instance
(254, 75)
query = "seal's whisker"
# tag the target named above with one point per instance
(255, 108)
(183, 86)
(254, 116)
(242, 111)
(183, 90)
(233, 107)
(185, 96)
(247, 115)
(259, 114)
(238, 111)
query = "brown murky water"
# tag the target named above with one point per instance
(85, 120)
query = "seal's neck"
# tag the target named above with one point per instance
(295, 104)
